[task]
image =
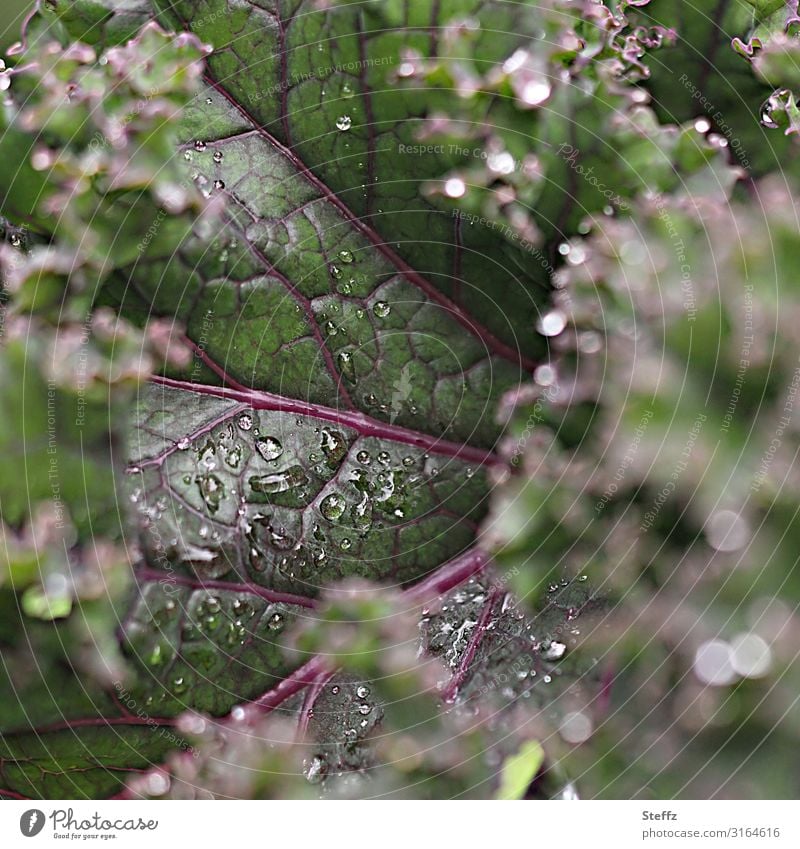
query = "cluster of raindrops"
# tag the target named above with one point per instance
(199, 179)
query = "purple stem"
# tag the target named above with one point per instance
(357, 421)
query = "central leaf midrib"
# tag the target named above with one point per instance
(360, 422)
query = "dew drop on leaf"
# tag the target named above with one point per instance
(344, 123)
(269, 447)
(381, 309)
(334, 446)
(332, 506)
(316, 769)
(279, 482)
(212, 491)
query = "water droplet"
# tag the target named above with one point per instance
(334, 446)
(183, 443)
(345, 544)
(364, 458)
(347, 90)
(346, 256)
(381, 309)
(269, 447)
(332, 506)
(218, 156)
(316, 770)
(200, 145)
(384, 457)
(336, 272)
(279, 482)
(275, 622)
(362, 692)
(16, 241)
(361, 515)
(344, 123)
(245, 421)
(346, 365)
(212, 491)
(364, 709)
(219, 185)
(179, 685)
(555, 651)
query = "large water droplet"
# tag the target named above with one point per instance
(332, 506)
(555, 651)
(334, 446)
(316, 769)
(381, 309)
(280, 481)
(212, 491)
(346, 366)
(344, 123)
(269, 447)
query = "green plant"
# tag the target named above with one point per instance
(346, 355)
